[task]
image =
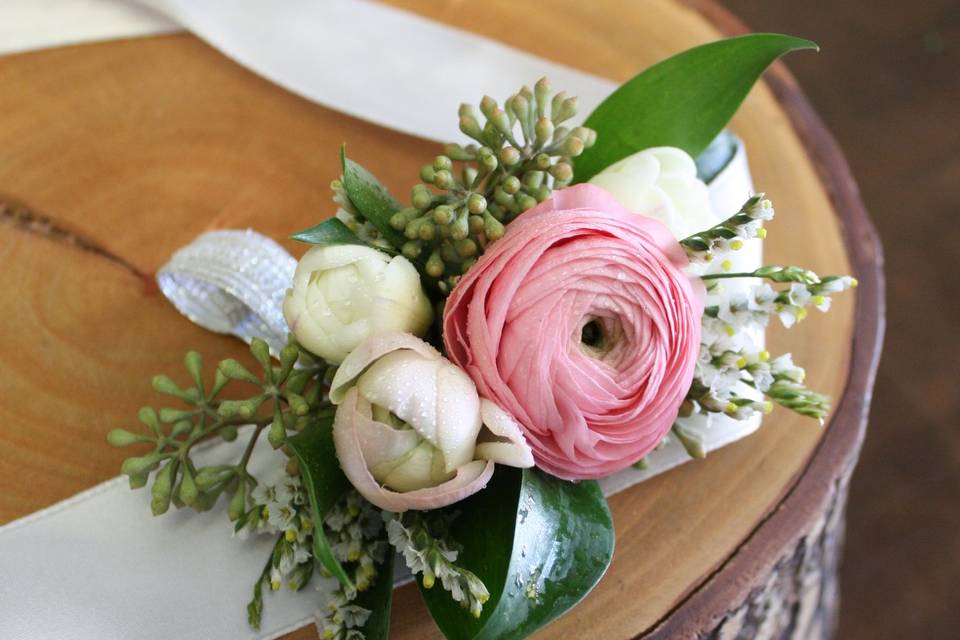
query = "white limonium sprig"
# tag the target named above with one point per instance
(353, 527)
(728, 358)
(434, 558)
(730, 234)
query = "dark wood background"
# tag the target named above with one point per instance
(887, 83)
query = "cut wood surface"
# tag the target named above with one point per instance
(116, 154)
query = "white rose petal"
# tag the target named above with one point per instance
(661, 183)
(343, 294)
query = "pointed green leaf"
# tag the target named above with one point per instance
(331, 231)
(539, 544)
(371, 198)
(378, 599)
(325, 485)
(684, 101)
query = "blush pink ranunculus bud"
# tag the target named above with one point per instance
(581, 323)
(411, 431)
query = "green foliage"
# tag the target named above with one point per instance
(173, 432)
(684, 101)
(325, 485)
(331, 231)
(538, 543)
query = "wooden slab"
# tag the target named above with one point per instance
(132, 148)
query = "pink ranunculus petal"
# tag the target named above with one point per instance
(513, 323)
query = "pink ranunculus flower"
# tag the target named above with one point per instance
(583, 324)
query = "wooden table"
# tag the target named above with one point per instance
(116, 154)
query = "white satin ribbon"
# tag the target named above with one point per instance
(98, 566)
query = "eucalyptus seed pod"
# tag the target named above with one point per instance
(169, 415)
(443, 179)
(561, 172)
(140, 465)
(297, 404)
(442, 163)
(509, 156)
(525, 201)
(434, 266)
(487, 105)
(188, 487)
(448, 254)
(503, 198)
(180, 428)
(542, 161)
(572, 147)
(476, 203)
(541, 90)
(541, 193)
(511, 185)
(556, 105)
(421, 197)
(469, 176)
(496, 211)
(209, 477)
(543, 131)
(471, 127)
(427, 172)
(568, 109)
(162, 488)
(278, 433)
(487, 159)
(236, 371)
(456, 152)
(475, 224)
(532, 180)
(492, 228)
(124, 438)
(238, 501)
(148, 416)
(193, 363)
(427, 231)
(261, 351)
(502, 122)
(412, 249)
(459, 228)
(288, 358)
(466, 248)
(443, 214)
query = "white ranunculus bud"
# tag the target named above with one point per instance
(661, 183)
(344, 293)
(411, 431)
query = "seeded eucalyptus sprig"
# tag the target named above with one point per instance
(520, 154)
(284, 399)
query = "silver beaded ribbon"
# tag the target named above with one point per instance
(232, 282)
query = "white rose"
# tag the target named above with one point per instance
(411, 431)
(661, 183)
(344, 293)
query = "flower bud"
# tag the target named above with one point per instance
(407, 426)
(543, 131)
(476, 203)
(343, 293)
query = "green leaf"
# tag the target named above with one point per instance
(331, 231)
(539, 544)
(716, 156)
(684, 101)
(325, 484)
(370, 198)
(378, 599)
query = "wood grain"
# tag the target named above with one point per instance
(135, 147)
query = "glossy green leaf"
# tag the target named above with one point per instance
(370, 198)
(331, 231)
(539, 544)
(378, 600)
(325, 484)
(717, 156)
(684, 101)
